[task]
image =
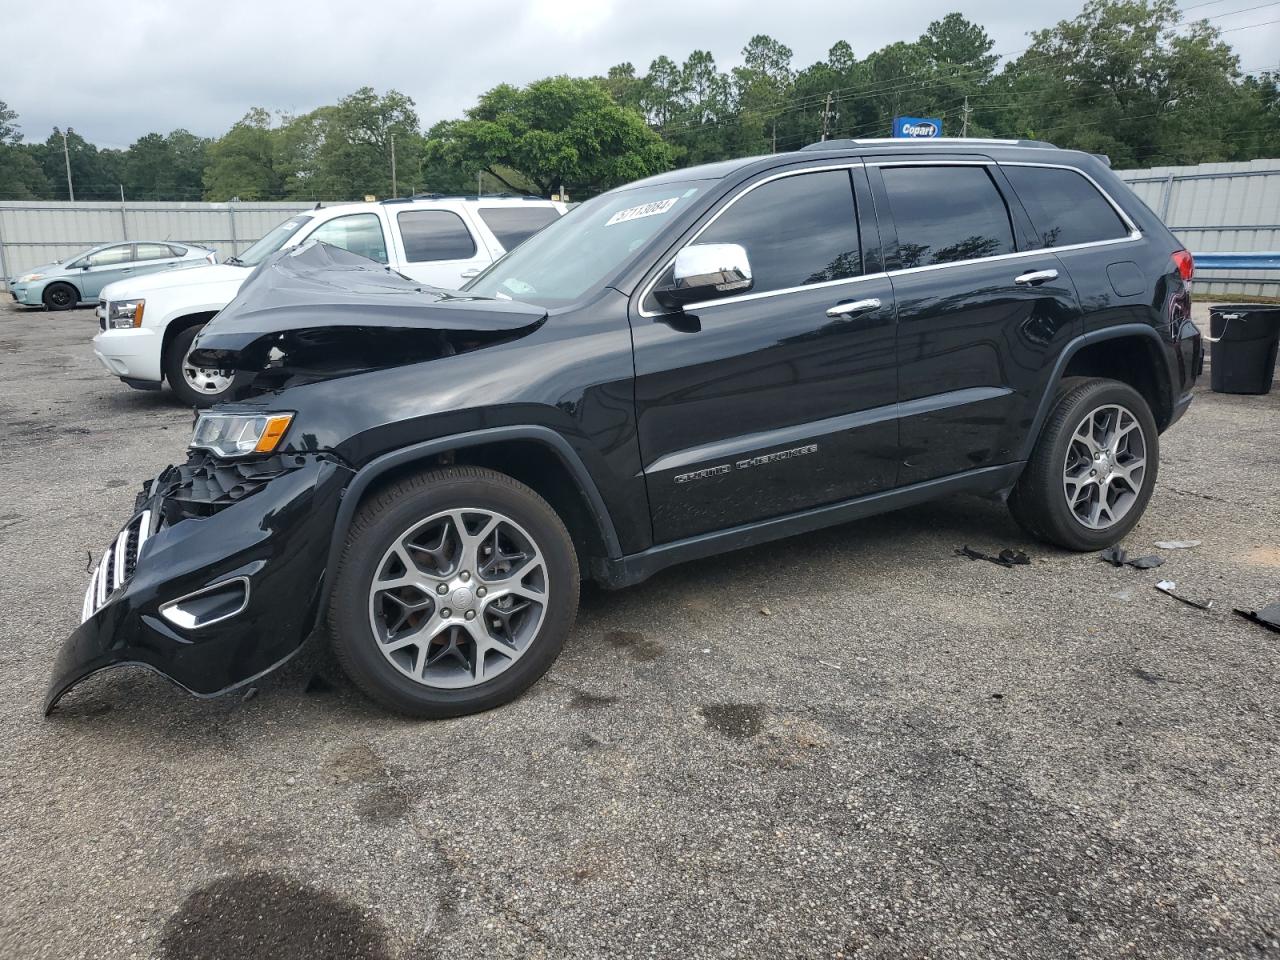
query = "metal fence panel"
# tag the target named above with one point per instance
(1219, 207)
(35, 232)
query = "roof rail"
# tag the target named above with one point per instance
(920, 141)
(462, 196)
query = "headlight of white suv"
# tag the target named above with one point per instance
(125, 313)
(238, 434)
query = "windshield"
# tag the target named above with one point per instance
(586, 246)
(269, 244)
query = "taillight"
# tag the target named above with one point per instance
(1185, 263)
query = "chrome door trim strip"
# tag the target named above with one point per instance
(818, 429)
(722, 301)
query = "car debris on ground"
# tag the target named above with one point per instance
(1119, 557)
(1268, 616)
(1005, 558)
(1169, 587)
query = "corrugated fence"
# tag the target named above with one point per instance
(1219, 207)
(35, 232)
(1211, 207)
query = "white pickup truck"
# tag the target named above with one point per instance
(147, 324)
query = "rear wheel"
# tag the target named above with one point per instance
(1093, 469)
(454, 593)
(195, 386)
(60, 296)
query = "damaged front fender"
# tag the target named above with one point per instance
(317, 312)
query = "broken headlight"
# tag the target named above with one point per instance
(239, 434)
(124, 313)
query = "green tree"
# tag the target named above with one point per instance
(351, 144)
(20, 175)
(158, 167)
(245, 163)
(1123, 79)
(560, 130)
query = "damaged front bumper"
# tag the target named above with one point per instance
(216, 578)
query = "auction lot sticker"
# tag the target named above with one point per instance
(644, 210)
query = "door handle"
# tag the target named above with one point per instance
(1036, 277)
(853, 306)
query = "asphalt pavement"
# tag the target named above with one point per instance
(849, 744)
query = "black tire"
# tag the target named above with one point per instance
(171, 363)
(1039, 501)
(60, 296)
(380, 522)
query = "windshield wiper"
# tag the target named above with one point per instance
(235, 261)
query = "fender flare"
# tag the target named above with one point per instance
(1069, 351)
(379, 466)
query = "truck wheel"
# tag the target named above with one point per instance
(454, 592)
(194, 386)
(60, 296)
(1093, 469)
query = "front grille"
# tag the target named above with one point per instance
(115, 567)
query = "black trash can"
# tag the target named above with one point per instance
(1243, 340)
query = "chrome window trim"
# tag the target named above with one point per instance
(648, 287)
(1135, 233)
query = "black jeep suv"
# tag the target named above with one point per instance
(701, 361)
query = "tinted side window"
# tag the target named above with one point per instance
(796, 231)
(111, 255)
(514, 225)
(1064, 206)
(154, 251)
(358, 232)
(434, 235)
(946, 214)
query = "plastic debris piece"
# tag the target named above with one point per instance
(1005, 558)
(1119, 557)
(1168, 586)
(765, 611)
(1178, 544)
(1268, 616)
(1145, 563)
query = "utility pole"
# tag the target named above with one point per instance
(964, 125)
(827, 116)
(66, 155)
(478, 184)
(395, 187)
(775, 135)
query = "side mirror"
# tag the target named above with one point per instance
(705, 271)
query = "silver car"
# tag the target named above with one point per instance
(63, 284)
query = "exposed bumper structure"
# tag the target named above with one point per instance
(216, 578)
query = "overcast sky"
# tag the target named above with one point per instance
(114, 71)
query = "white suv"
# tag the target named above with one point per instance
(147, 324)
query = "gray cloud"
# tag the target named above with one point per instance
(135, 66)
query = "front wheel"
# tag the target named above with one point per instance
(1093, 469)
(194, 386)
(454, 593)
(60, 296)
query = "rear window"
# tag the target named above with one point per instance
(435, 235)
(1064, 206)
(947, 214)
(514, 225)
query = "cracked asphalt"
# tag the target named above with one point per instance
(852, 744)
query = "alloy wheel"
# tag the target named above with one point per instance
(1105, 467)
(458, 598)
(205, 379)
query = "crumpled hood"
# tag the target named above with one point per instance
(320, 311)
